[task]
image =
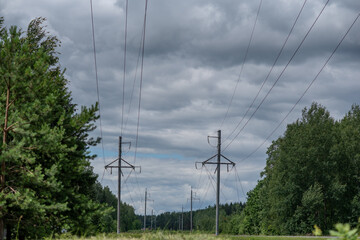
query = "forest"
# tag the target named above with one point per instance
(312, 176)
(203, 219)
(47, 185)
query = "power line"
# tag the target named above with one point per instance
(211, 178)
(141, 81)
(124, 72)
(242, 66)
(282, 72)
(303, 94)
(102, 176)
(142, 44)
(134, 81)
(238, 178)
(124, 75)
(97, 80)
(206, 191)
(271, 69)
(237, 189)
(127, 188)
(137, 188)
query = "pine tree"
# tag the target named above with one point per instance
(46, 177)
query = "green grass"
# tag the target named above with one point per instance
(161, 235)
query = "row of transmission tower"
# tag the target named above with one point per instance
(214, 160)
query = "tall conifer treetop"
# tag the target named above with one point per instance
(46, 177)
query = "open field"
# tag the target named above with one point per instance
(185, 236)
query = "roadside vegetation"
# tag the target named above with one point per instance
(180, 235)
(168, 235)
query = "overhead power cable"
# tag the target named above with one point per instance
(204, 197)
(130, 105)
(280, 75)
(142, 49)
(239, 180)
(303, 94)
(124, 70)
(243, 63)
(271, 69)
(141, 81)
(134, 81)
(97, 80)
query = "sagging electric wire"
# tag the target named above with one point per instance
(141, 81)
(132, 200)
(271, 69)
(134, 81)
(213, 179)
(238, 178)
(280, 75)
(124, 70)
(243, 63)
(97, 80)
(206, 191)
(303, 94)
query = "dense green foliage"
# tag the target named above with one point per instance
(106, 223)
(312, 176)
(47, 183)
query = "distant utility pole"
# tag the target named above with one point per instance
(218, 163)
(146, 199)
(152, 214)
(182, 217)
(119, 167)
(191, 207)
(145, 209)
(155, 222)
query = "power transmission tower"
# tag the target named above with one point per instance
(218, 163)
(119, 167)
(145, 209)
(155, 222)
(146, 199)
(192, 197)
(182, 217)
(152, 215)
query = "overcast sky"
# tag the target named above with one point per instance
(193, 65)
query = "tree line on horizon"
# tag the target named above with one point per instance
(203, 219)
